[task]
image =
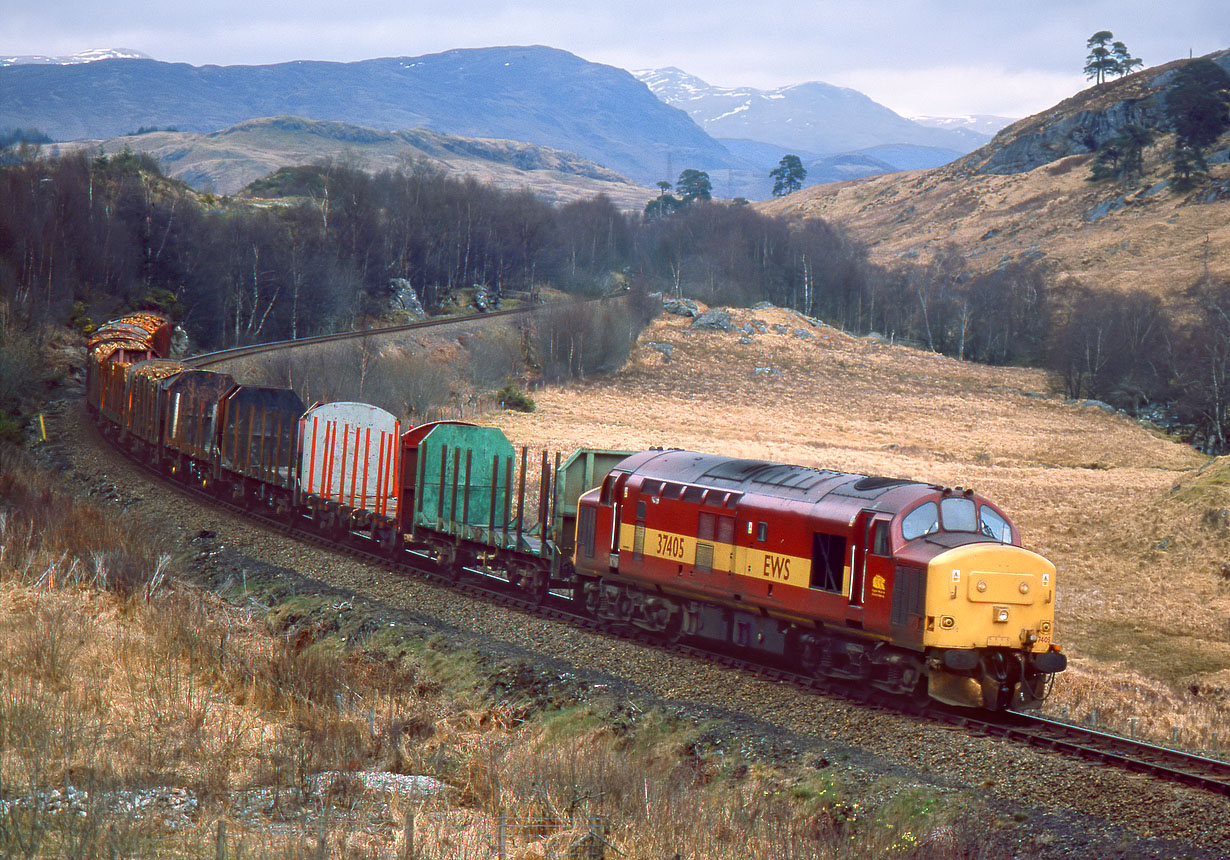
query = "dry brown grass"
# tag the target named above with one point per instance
(114, 691)
(1144, 590)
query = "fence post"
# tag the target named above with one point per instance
(500, 850)
(221, 841)
(408, 833)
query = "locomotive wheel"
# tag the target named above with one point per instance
(673, 632)
(586, 593)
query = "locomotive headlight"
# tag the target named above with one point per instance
(947, 622)
(1045, 627)
(982, 585)
(1001, 615)
(1023, 588)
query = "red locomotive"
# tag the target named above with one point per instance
(895, 583)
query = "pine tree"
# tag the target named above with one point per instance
(694, 186)
(1198, 107)
(1100, 63)
(788, 176)
(1125, 62)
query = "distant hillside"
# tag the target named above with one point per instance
(981, 123)
(535, 94)
(1027, 194)
(226, 161)
(812, 117)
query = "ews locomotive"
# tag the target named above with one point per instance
(909, 587)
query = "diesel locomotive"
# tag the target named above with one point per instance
(905, 586)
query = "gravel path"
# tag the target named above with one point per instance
(1046, 805)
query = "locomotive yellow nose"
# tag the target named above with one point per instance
(986, 595)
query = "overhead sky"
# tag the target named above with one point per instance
(918, 57)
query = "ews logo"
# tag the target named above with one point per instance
(776, 567)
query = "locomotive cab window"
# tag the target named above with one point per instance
(994, 526)
(762, 532)
(879, 539)
(608, 489)
(958, 515)
(923, 520)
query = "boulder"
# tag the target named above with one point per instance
(666, 349)
(714, 320)
(682, 307)
(404, 298)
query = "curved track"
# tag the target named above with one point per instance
(1032, 730)
(208, 359)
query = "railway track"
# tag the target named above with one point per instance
(1031, 730)
(209, 359)
(1083, 742)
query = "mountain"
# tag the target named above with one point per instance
(535, 94)
(228, 160)
(981, 124)
(73, 59)
(1027, 195)
(813, 117)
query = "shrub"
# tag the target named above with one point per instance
(515, 399)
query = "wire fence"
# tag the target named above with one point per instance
(422, 835)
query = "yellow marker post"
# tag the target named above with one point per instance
(42, 427)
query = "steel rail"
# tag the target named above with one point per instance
(1084, 742)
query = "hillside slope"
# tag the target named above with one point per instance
(227, 160)
(1027, 194)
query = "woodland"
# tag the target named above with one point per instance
(314, 249)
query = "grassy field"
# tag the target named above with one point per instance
(1136, 523)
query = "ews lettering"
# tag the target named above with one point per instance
(776, 567)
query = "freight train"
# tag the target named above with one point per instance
(904, 586)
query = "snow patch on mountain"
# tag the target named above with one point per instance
(90, 56)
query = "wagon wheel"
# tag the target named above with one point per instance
(446, 558)
(391, 541)
(536, 583)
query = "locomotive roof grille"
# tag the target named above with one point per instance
(768, 474)
(872, 483)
